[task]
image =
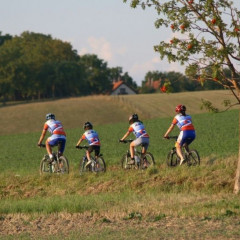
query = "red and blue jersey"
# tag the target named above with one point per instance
(92, 137)
(138, 129)
(54, 127)
(183, 122)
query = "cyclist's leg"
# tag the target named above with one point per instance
(185, 139)
(61, 145)
(178, 145)
(88, 154)
(97, 153)
(134, 144)
(50, 142)
(96, 149)
(145, 144)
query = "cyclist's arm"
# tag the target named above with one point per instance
(44, 131)
(79, 142)
(125, 136)
(169, 130)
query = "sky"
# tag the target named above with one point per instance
(115, 32)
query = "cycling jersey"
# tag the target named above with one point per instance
(92, 137)
(183, 122)
(139, 130)
(54, 127)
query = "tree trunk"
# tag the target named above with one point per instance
(237, 177)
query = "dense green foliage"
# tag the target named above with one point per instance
(206, 36)
(35, 66)
(174, 82)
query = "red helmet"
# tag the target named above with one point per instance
(180, 108)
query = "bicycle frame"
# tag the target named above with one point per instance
(141, 160)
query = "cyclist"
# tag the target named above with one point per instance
(142, 138)
(187, 131)
(93, 140)
(57, 135)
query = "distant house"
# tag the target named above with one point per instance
(153, 84)
(121, 88)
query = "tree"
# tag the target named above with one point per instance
(32, 65)
(206, 40)
(97, 74)
(4, 38)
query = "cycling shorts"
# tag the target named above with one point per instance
(55, 139)
(142, 141)
(95, 148)
(186, 137)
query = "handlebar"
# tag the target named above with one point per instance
(171, 137)
(42, 145)
(82, 147)
(125, 141)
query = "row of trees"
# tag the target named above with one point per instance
(35, 66)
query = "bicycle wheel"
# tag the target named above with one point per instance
(63, 166)
(172, 159)
(147, 161)
(82, 166)
(45, 167)
(100, 165)
(124, 162)
(193, 158)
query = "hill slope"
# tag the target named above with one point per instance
(73, 112)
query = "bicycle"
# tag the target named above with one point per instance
(58, 165)
(97, 163)
(191, 157)
(141, 162)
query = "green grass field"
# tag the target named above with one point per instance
(161, 202)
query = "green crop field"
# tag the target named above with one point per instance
(159, 203)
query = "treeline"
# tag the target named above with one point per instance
(156, 81)
(36, 66)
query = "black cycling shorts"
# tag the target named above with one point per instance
(95, 148)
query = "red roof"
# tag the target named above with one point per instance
(116, 85)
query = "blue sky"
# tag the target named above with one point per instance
(118, 34)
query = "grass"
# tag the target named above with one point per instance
(120, 204)
(101, 110)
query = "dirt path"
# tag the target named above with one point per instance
(87, 226)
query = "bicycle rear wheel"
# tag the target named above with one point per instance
(172, 159)
(148, 160)
(193, 158)
(100, 165)
(63, 166)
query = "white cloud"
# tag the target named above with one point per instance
(99, 46)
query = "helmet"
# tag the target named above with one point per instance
(180, 108)
(133, 118)
(50, 116)
(87, 125)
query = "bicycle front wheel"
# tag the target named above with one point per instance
(45, 167)
(83, 167)
(193, 158)
(125, 162)
(63, 165)
(148, 160)
(100, 165)
(172, 159)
